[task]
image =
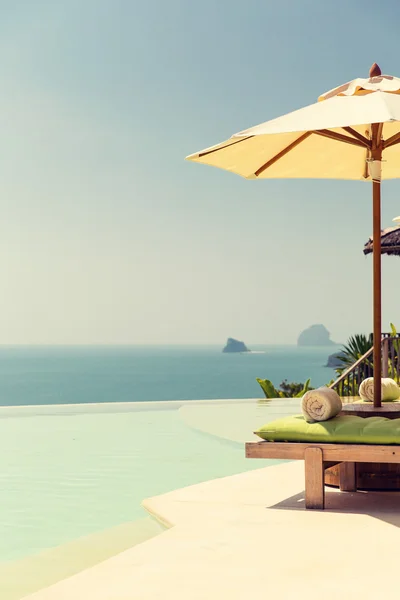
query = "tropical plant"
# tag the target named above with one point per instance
(357, 345)
(288, 390)
(396, 340)
(393, 360)
(292, 389)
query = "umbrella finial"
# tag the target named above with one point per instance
(375, 71)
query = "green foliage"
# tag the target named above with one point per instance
(357, 345)
(287, 390)
(268, 388)
(396, 346)
(305, 389)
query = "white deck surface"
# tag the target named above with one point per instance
(249, 536)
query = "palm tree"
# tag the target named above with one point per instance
(355, 348)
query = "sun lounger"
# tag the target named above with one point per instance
(356, 440)
(318, 457)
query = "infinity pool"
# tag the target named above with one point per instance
(73, 477)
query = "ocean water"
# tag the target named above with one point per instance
(76, 375)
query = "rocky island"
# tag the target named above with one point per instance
(233, 345)
(334, 360)
(315, 335)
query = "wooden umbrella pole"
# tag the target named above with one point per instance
(375, 172)
(376, 191)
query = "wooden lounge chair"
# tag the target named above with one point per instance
(319, 456)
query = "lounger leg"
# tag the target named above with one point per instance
(347, 477)
(314, 468)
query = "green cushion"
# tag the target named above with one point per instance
(341, 429)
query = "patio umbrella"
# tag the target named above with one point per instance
(352, 132)
(390, 241)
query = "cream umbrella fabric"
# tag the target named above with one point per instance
(352, 132)
(299, 144)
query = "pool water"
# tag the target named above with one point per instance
(68, 473)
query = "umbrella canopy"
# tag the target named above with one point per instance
(390, 241)
(345, 135)
(304, 143)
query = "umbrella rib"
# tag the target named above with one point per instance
(323, 132)
(243, 139)
(358, 136)
(282, 153)
(394, 139)
(339, 137)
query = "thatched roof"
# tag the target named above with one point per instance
(390, 242)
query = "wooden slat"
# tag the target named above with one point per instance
(314, 478)
(348, 477)
(397, 360)
(328, 465)
(331, 452)
(369, 368)
(385, 357)
(392, 358)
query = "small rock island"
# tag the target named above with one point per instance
(233, 345)
(334, 360)
(315, 335)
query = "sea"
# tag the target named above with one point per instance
(78, 375)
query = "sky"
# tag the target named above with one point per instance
(108, 236)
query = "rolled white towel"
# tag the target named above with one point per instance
(320, 405)
(390, 389)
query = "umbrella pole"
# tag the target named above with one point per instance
(376, 192)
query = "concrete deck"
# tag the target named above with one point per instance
(249, 536)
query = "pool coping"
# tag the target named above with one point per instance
(115, 407)
(234, 536)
